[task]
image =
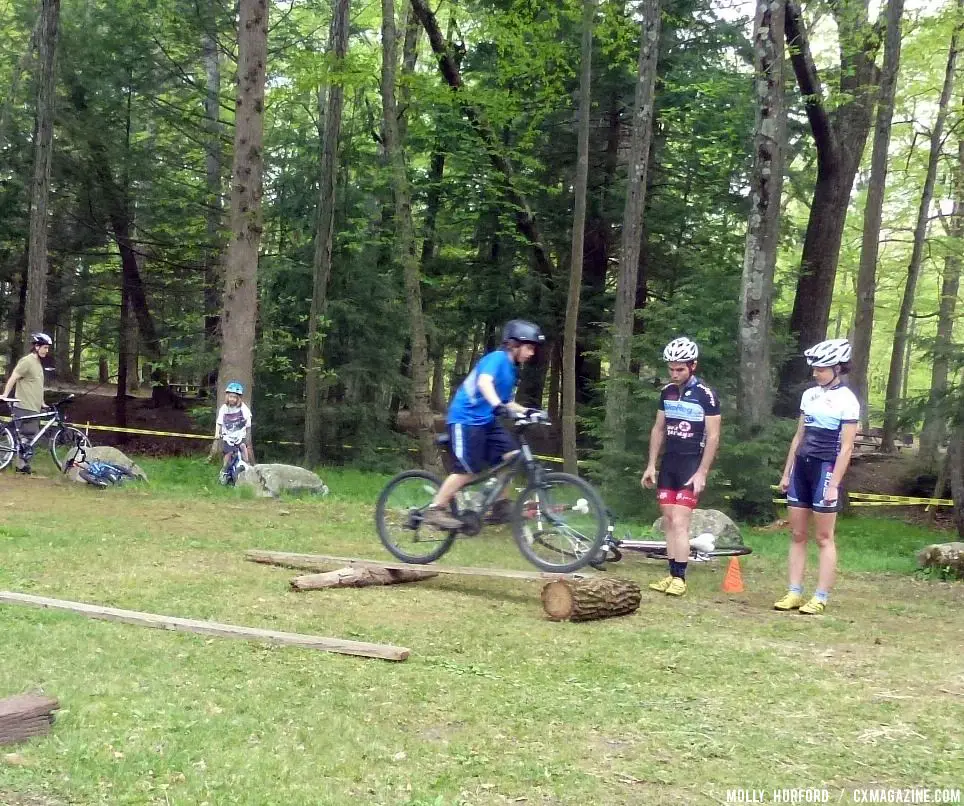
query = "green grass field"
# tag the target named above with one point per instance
(674, 704)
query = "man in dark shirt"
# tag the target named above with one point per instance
(688, 425)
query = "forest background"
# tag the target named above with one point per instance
(340, 204)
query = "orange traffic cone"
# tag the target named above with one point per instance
(733, 581)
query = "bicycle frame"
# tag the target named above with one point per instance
(54, 418)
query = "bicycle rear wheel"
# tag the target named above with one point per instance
(561, 524)
(7, 447)
(398, 518)
(62, 443)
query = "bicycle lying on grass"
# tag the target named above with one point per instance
(559, 522)
(97, 472)
(63, 436)
(703, 548)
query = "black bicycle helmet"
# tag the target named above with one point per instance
(522, 331)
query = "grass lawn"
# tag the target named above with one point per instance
(674, 704)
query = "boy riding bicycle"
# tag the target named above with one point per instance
(233, 427)
(476, 437)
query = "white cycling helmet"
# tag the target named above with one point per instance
(41, 338)
(828, 353)
(681, 349)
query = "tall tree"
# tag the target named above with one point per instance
(240, 306)
(873, 210)
(40, 188)
(213, 168)
(405, 240)
(893, 395)
(569, 457)
(763, 229)
(935, 418)
(618, 388)
(839, 136)
(324, 234)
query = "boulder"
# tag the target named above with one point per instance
(106, 453)
(946, 557)
(270, 481)
(718, 524)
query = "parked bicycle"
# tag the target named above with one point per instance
(63, 437)
(558, 520)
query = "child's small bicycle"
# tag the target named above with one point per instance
(237, 461)
(96, 472)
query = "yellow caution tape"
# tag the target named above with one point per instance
(902, 499)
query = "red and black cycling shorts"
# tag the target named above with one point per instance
(671, 484)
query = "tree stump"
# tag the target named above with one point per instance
(25, 715)
(359, 577)
(588, 599)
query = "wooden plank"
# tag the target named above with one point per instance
(318, 562)
(341, 646)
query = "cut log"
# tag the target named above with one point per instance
(359, 578)
(588, 599)
(25, 715)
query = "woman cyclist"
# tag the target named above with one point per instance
(816, 463)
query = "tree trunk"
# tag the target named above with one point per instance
(935, 417)
(873, 211)
(892, 397)
(439, 401)
(618, 388)
(359, 577)
(240, 305)
(591, 598)
(569, 457)
(324, 234)
(956, 467)
(763, 228)
(77, 351)
(555, 370)
(213, 168)
(405, 240)
(43, 146)
(125, 327)
(839, 138)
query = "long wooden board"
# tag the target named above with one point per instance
(319, 562)
(341, 646)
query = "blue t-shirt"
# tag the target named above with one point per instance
(686, 411)
(469, 407)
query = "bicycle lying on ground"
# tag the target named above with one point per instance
(97, 472)
(559, 522)
(703, 548)
(63, 436)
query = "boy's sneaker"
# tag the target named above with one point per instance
(814, 607)
(677, 587)
(500, 513)
(662, 585)
(441, 518)
(790, 601)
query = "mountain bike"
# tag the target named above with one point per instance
(63, 437)
(558, 520)
(97, 472)
(703, 548)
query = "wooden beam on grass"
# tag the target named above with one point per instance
(341, 646)
(319, 562)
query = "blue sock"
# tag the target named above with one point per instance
(672, 568)
(797, 589)
(821, 596)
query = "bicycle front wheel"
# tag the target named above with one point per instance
(560, 524)
(398, 518)
(7, 447)
(64, 441)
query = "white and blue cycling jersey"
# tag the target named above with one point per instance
(469, 406)
(686, 411)
(825, 412)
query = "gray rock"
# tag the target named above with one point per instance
(106, 453)
(269, 481)
(713, 521)
(944, 556)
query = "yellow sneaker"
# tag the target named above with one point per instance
(677, 587)
(814, 607)
(791, 601)
(662, 585)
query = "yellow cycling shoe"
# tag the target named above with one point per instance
(814, 607)
(662, 585)
(677, 587)
(791, 601)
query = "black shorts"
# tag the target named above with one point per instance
(808, 484)
(675, 470)
(476, 447)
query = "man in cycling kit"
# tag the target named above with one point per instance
(477, 439)
(688, 425)
(818, 458)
